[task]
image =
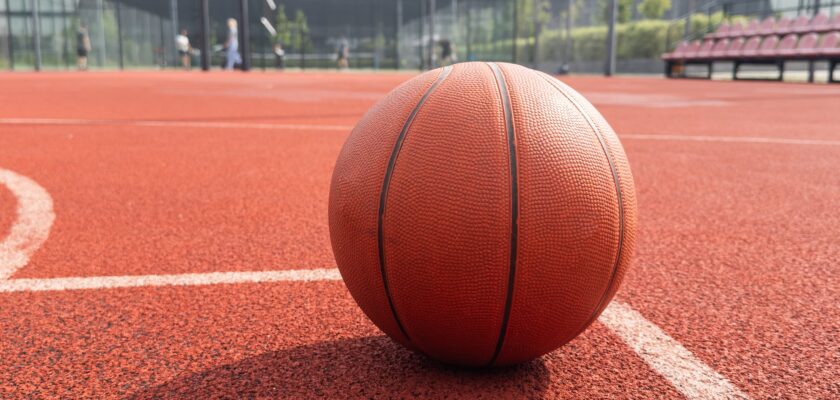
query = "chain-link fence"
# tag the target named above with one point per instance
(552, 35)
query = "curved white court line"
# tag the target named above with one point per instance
(35, 217)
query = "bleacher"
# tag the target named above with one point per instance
(769, 41)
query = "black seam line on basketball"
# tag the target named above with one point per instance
(384, 193)
(616, 180)
(514, 205)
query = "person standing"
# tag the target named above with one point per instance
(182, 43)
(232, 56)
(447, 53)
(83, 47)
(343, 53)
(279, 55)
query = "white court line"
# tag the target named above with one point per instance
(197, 279)
(666, 356)
(176, 124)
(348, 128)
(32, 224)
(731, 139)
(35, 216)
(662, 353)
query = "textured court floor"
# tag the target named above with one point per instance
(164, 234)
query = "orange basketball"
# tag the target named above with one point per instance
(482, 214)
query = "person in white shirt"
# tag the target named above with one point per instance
(182, 43)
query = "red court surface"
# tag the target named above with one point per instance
(124, 195)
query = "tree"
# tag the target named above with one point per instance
(654, 9)
(625, 10)
(283, 27)
(301, 32)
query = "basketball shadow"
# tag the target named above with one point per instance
(370, 367)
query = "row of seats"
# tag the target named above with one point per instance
(810, 45)
(769, 41)
(771, 26)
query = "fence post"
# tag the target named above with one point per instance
(205, 35)
(11, 37)
(399, 31)
(173, 15)
(36, 21)
(245, 32)
(119, 33)
(431, 34)
(609, 68)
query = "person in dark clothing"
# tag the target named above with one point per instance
(82, 47)
(447, 53)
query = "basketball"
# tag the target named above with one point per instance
(483, 214)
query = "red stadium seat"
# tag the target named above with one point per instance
(801, 24)
(830, 44)
(752, 28)
(787, 45)
(835, 22)
(768, 46)
(820, 23)
(677, 53)
(807, 45)
(734, 48)
(735, 30)
(704, 51)
(782, 26)
(692, 49)
(750, 48)
(767, 27)
(720, 48)
(722, 31)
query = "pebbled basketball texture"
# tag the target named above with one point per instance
(482, 214)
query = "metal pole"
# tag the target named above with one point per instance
(455, 24)
(421, 27)
(469, 32)
(11, 37)
(515, 29)
(609, 67)
(399, 31)
(205, 35)
(100, 56)
(687, 32)
(36, 21)
(173, 15)
(536, 19)
(431, 34)
(119, 33)
(65, 52)
(567, 46)
(245, 33)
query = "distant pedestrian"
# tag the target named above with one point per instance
(182, 43)
(343, 54)
(279, 55)
(232, 56)
(82, 47)
(447, 53)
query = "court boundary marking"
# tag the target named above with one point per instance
(35, 215)
(348, 128)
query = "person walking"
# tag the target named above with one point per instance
(343, 54)
(83, 47)
(182, 43)
(232, 57)
(279, 55)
